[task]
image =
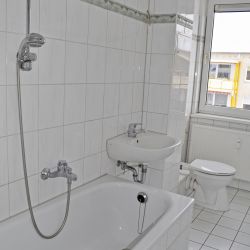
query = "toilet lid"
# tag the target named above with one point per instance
(212, 167)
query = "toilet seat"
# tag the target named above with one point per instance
(212, 168)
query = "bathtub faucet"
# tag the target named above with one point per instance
(127, 166)
(62, 170)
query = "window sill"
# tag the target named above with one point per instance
(221, 118)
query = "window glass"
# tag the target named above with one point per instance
(248, 74)
(229, 61)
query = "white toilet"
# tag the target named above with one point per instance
(212, 178)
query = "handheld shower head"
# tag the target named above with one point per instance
(35, 40)
(24, 56)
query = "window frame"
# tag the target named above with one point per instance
(227, 5)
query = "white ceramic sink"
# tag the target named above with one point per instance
(145, 148)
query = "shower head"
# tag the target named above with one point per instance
(35, 40)
(24, 56)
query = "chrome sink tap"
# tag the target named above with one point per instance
(132, 131)
(62, 170)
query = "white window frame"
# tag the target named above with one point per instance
(226, 5)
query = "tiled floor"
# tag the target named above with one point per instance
(223, 231)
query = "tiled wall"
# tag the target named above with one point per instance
(86, 86)
(167, 71)
(166, 82)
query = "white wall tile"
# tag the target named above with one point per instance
(161, 69)
(111, 100)
(50, 147)
(15, 158)
(137, 97)
(109, 130)
(50, 105)
(30, 108)
(114, 30)
(141, 37)
(3, 162)
(3, 15)
(163, 38)
(76, 59)
(77, 168)
(51, 62)
(126, 98)
(139, 67)
(123, 122)
(51, 188)
(77, 15)
(17, 195)
(129, 33)
(93, 137)
(92, 167)
(97, 25)
(165, 7)
(53, 25)
(157, 122)
(96, 63)
(74, 106)
(113, 66)
(73, 142)
(3, 108)
(2, 58)
(16, 16)
(4, 205)
(158, 100)
(127, 71)
(94, 101)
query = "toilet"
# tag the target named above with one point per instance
(212, 178)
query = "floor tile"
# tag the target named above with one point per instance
(230, 223)
(241, 200)
(244, 193)
(196, 212)
(194, 246)
(239, 207)
(237, 246)
(243, 238)
(234, 215)
(209, 217)
(245, 228)
(198, 236)
(213, 211)
(207, 248)
(218, 243)
(203, 226)
(224, 232)
(247, 219)
(231, 190)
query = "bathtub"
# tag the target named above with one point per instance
(103, 216)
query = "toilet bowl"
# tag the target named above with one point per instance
(212, 178)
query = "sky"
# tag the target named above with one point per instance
(231, 32)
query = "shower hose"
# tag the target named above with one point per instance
(19, 96)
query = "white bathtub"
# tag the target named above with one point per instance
(103, 216)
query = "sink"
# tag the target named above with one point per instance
(145, 148)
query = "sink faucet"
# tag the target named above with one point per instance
(62, 170)
(132, 131)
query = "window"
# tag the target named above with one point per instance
(248, 74)
(226, 57)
